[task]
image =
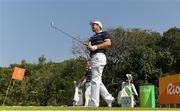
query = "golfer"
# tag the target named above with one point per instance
(97, 46)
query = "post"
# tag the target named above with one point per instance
(7, 91)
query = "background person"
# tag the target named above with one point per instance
(86, 80)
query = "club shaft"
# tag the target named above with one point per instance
(68, 35)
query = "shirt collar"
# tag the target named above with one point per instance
(98, 32)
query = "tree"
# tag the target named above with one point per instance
(42, 59)
(171, 40)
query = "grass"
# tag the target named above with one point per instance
(80, 108)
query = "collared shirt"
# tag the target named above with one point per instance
(88, 75)
(98, 39)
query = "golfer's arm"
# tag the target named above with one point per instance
(105, 44)
(80, 80)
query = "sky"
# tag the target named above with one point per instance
(25, 32)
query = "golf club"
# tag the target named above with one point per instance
(68, 35)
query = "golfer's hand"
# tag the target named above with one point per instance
(90, 47)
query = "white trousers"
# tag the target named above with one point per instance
(87, 94)
(98, 62)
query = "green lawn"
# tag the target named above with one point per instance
(79, 108)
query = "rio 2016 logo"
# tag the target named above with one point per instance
(173, 89)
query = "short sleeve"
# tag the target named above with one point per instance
(106, 35)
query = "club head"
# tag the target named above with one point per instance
(52, 24)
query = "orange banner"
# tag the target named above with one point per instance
(18, 73)
(169, 89)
